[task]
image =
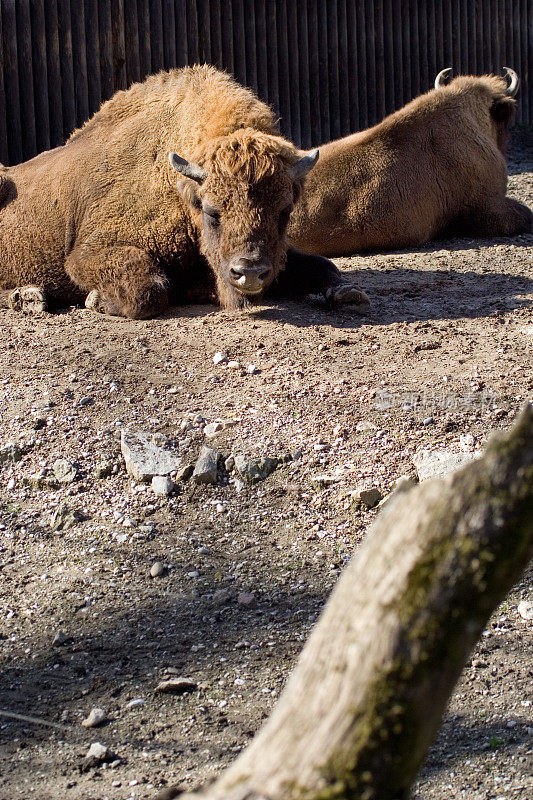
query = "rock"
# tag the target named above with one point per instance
(525, 609)
(10, 484)
(251, 369)
(296, 455)
(403, 483)
(213, 429)
(367, 496)
(135, 703)
(246, 599)
(229, 464)
(221, 597)
(219, 358)
(65, 471)
(163, 485)
(96, 717)
(97, 754)
(206, 468)
(363, 426)
(86, 401)
(234, 365)
(321, 481)
(144, 458)
(59, 638)
(185, 472)
(157, 569)
(44, 479)
(252, 471)
(10, 453)
(104, 469)
(438, 463)
(428, 421)
(176, 686)
(65, 517)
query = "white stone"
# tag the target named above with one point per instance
(144, 458)
(438, 463)
(162, 485)
(219, 358)
(96, 717)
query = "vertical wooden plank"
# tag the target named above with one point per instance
(156, 35)
(353, 71)
(283, 68)
(478, 23)
(333, 71)
(239, 51)
(226, 33)
(433, 64)
(79, 59)
(92, 42)
(11, 81)
(4, 153)
(118, 36)
(24, 53)
(304, 95)
(216, 34)
(169, 34)
(390, 74)
(502, 34)
(364, 85)
(324, 74)
(416, 85)
(487, 36)
(406, 60)
(314, 72)
(181, 33)
(260, 49)
(40, 75)
(448, 56)
(204, 31)
(145, 50)
(272, 56)
(439, 36)
(54, 73)
(106, 48)
(398, 66)
(131, 35)
(249, 45)
(426, 82)
(68, 98)
(344, 77)
(463, 25)
(294, 77)
(526, 61)
(379, 60)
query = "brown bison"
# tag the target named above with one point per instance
(117, 218)
(435, 166)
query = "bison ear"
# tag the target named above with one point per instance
(503, 109)
(302, 167)
(187, 168)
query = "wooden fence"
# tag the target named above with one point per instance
(328, 67)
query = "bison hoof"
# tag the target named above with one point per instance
(347, 294)
(94, 302)
(27, 299)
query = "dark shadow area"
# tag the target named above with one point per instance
(398, 294)
(461, 737)
(520, 150)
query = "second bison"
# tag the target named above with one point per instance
(118, 218)
(435, 166)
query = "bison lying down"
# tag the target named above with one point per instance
(435, 166)
(117, 218)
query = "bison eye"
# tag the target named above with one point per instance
(284, 217)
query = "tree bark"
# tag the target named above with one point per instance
(367, 696)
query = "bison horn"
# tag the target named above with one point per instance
(514, 81)
(187, 168)
(302, 167)
(443, 75)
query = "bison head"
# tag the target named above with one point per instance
(240, 200)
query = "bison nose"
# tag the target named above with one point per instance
(250, 275)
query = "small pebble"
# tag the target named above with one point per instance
(96, 717)
(157, 569)
(219, 358)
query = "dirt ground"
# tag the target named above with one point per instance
(444, 357)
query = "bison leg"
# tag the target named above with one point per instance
(122, 281)
(311, 274)
(25, 299)
(506, 218)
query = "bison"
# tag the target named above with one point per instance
(435, 166)
(176, 189)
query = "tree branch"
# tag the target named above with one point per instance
(367, 696)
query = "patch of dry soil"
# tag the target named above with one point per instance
(443, 358)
